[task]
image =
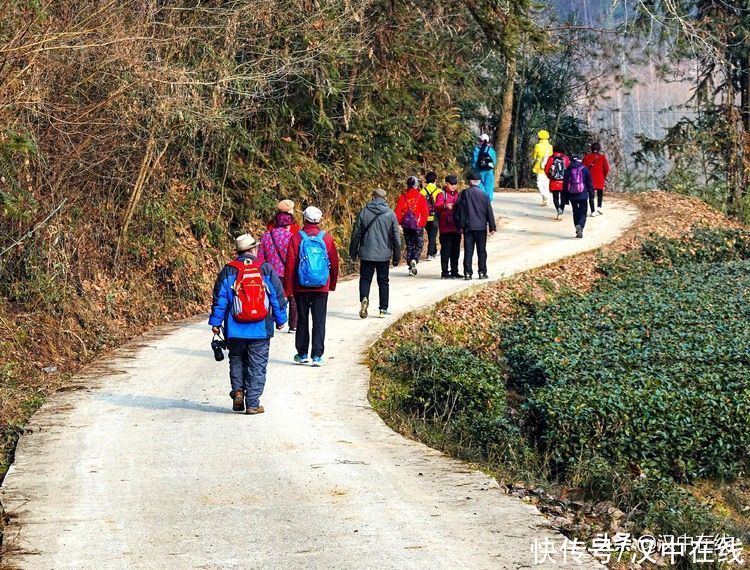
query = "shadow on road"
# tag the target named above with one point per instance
(156, 403)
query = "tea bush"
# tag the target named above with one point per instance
(650, 370)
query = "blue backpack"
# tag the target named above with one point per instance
(314, 266)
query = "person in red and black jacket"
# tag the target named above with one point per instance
(310, 301)
(555, 176)
(412, 212)
(596, 162)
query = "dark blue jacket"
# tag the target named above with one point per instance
(587, 181)
(221, 313)
(473, 211)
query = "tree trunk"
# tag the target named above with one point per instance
(506, 119)
(517, 125)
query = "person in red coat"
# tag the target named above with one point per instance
(450, 235)
(412, 212)
(596, 162)
(311, 301)
(555, 168)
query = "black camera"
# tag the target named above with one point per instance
(218, 345)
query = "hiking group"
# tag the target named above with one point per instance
(293, 269)
(571, 179)
(290, 268)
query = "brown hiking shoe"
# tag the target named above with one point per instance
(238, 401)
(253, 411)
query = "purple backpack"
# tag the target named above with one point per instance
(410, 221)
(576, 185)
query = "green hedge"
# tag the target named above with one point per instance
(651, 368)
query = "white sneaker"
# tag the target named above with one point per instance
(430, 257)
(413, 267)
(599, 211)
(594, 214)
(545, 201)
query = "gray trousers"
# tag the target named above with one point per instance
(248, 361)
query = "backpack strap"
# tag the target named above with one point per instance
(278, 249)
(367, 228)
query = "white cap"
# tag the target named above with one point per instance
(244, 243)
(485, 138)
(312, 214)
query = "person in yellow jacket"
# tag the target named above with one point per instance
(542, 151)
(431, 191)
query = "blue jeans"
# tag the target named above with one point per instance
(487, 178)
(248, 361)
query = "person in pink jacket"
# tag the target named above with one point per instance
(273, 249)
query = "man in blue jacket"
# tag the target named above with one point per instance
(249, 343)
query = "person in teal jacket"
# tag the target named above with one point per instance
(483, 161)
(249, 343)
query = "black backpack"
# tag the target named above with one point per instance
(557, 171)
(484, 160)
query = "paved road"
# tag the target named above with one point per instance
(146, 467)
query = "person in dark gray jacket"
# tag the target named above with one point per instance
(376, 241)
(473, 214)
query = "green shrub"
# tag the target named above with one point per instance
(444, 383)
(652, 371)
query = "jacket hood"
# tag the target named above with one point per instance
(378, 206)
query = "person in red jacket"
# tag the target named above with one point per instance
(412, 212)
(596, 162)
(555, 168)
(450, 235)
(310, 300)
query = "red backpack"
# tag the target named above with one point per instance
(250, 303)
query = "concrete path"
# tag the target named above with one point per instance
(147, 467)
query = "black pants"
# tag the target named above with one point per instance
(366, 270)
(315, 304)
(599, 198)
(579, 212)
(432, 232)
(557, 199)
(450, 249)
(478, 239)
